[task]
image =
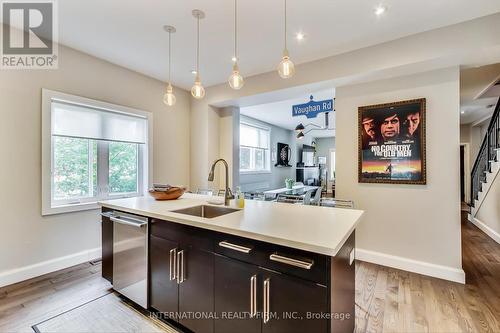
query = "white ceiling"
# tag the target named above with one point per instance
(280, 113)
(478, 93)
(130, 34)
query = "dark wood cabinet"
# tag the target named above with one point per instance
(250, 286)
(164, 289)
(290, 302)
(107, 248)
(182, 276)
(196, 291)
(235, 285)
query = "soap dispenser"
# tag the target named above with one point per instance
(240, 198)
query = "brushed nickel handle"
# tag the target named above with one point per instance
(178, 264)
(253, 296)
(235, 247)
(129, 221)
(173, 264)
(107, 214)
(180, 267)
(292, 262)
(267, 286)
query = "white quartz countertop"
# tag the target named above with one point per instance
(316, 229)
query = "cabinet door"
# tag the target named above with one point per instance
(196, 289)
(107, 248)
(289, 301)
(236, 293)
(163, 289)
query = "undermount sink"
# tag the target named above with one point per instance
(206, 211)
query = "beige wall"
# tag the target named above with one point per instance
(417, 222)
(465, 133)
(432, 50)
(489, 212)
(425, 51)
(27, 238)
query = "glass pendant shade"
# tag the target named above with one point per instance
(286, 68)
(236, 80)
(197, 90)
(169, 97)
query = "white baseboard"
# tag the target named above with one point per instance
(487, 230)
(410, 265)
(44, 267)
(469, 217)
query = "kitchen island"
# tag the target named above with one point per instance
(270, 267)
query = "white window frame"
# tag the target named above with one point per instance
(145, 156)
(334, 166)
(267, 151)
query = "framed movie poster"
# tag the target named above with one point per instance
(392, 143)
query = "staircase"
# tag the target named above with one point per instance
(487, 165)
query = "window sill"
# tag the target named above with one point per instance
(255, 172)
(70, 208)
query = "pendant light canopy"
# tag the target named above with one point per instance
(197, 90)
(236, 80)
(169, 97)
(286, 68)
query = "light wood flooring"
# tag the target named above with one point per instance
(388, 300)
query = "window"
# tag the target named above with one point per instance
(91, 151)
(332, 164)
(254, 149)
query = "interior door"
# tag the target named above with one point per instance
(164, 288)
(289, 300)
(196, 289)
(236, 292)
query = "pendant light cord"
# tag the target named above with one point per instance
(198, 47)
(169, 55)
(285, 27)
(235, 31)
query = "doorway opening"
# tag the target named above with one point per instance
(465, 174)
(283, 143)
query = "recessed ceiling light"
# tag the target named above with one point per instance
(379, 10)
(193, 71)
(234, 59)
(300, 36)
(462, 112)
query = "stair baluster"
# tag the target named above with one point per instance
(487, 154)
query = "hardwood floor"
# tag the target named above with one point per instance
(30, 302)
(388, 300)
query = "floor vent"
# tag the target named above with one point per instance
(95, 262)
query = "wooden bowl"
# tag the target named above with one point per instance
(172, 194)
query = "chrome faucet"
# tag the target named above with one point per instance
(228, 195)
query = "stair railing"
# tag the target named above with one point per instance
(487, 153)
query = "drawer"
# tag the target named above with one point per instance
(183, 234)
(302, 264)
(243, 249)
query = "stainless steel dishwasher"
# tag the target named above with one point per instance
(130, 256)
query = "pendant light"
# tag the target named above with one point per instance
(286, 68)
(169, 97)
(197, 90)
(236, 80)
